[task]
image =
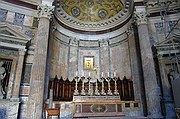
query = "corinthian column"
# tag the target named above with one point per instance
(150, 81)
(37, 80)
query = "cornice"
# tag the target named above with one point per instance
(19, 9)
(155, 6)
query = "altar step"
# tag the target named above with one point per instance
(112, 117)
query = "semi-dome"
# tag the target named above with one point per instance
(92, 10)
(93, 15)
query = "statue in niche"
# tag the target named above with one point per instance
(2, 77)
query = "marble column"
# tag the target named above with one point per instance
(152, 90)
(17, 82)
(37, 80)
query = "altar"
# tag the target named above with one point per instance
(88, 106)
(79, 98)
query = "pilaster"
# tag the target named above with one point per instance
(18, 73)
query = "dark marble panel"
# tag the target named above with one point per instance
(3, 114)
(19, 19)
(3, 14)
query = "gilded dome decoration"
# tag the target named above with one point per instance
(92, 10)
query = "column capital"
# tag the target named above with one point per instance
(140, 15)
(45, 11)
(74, 41)
(103, 42)
(22, 51)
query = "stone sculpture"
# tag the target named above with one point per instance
(2, 76)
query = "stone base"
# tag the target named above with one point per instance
(9, 109)
(89, 106)
(96, 98)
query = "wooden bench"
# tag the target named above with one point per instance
(52, 112)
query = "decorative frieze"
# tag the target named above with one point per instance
(45, 11)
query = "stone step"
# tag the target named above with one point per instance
(126, 117)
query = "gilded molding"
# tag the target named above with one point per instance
(45, 11)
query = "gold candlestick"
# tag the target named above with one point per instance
(102, 90)
(109, 86)
(115, 90)
(76, 86)
(90, 91)
(96, 90)
(83, 91)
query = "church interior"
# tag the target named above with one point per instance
(89, 59)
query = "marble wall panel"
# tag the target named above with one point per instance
(88, 43)
(118, 39)
(73, 60)
(19, 19)
(28, 20)
(10, 16)
(59, 60)
(104, 58)
(3, 14)
(120, 60)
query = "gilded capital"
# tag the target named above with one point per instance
(140, 17)
(45, 11)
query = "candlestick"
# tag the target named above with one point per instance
(82, 73)
(102, 74)
(114, 74)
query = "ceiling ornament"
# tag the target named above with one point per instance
(93, 15)
(92, 10)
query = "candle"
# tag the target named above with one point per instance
(82, 73)
(114, 74)
(76, 73)
(108, 74)
(101, 74)
(89, 74)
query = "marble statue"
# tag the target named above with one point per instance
(2, 76)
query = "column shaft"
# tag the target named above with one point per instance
(37, 80)
(151, 87)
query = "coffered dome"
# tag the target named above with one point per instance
(92, 10)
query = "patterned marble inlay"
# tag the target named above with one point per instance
(159, 27)
(3, 14)
(19, 19)
(92, 10)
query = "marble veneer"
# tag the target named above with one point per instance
(9, 108)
